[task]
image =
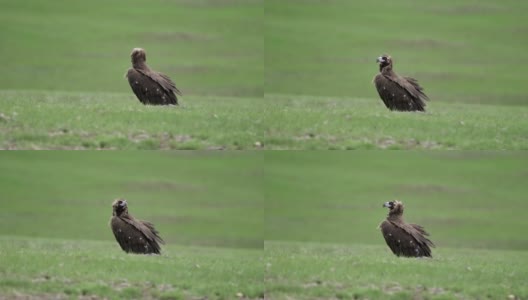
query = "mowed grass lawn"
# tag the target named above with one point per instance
(323, 210)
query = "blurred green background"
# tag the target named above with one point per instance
(314, 213)
(207, 47)
(460, 51)
(196, 198)
(463, 199)
(63, 84)
(240, 199)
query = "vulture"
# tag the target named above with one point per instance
(133, 235)
(398, 92)
(150, 87)
(402, 238)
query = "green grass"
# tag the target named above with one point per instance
(323, 209)
(464, 199)
(51, 269)
(356, 271)
(197, 198)
(300, 122)
(36, 120)
(283, 224)
(65, 61)
(460, 51)
(55, 239)
(262, 75)
(68, 120)
(206, 47)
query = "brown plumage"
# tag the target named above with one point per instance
(133, 235)
(398, 92)
(150, 87)
(402, 238)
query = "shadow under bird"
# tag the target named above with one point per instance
(398, 92)
(150, 87)
(133, 235)
(402, 238)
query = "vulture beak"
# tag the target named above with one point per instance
(379, 59)
(123, 204)
(387, 204)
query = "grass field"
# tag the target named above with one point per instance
(195, 198)
(284, 225)
(78, 46)
(337, 196)
(55, 240)
(335, 271)
(323, 210)
(52, 120)
(83, 269)
(316, 123)
(460, 51)
(262, 75)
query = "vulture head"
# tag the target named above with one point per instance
(119, 207)
(395, 208)
(384, 61)
(138, 56)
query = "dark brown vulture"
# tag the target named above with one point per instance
(398, 92)
(150, 87)
(402, 238)
(133, 235)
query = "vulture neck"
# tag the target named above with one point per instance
(386, 69)
(395, 215)
(123, 214)
(141, 65)
(395, 218)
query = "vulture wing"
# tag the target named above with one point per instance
(152, 89)
(166, 83)
(136, 236)
(400, 93)
(419, 90)
(406, 239)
